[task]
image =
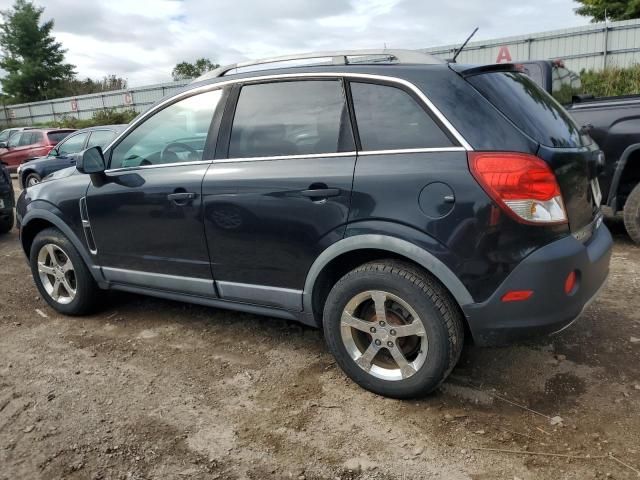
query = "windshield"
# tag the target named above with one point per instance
(530, 108)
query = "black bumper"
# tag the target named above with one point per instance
(549, 309)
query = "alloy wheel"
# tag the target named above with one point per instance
(384, 335)
(57, 273)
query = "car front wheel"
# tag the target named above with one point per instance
(393, 329)
(61, 275)
(32, 179)
(632, 214)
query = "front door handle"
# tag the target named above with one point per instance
(320, 193)
(182, 198)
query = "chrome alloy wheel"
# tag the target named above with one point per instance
(57, 274)
(384, 335)
(31, 181)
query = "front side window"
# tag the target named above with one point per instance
(290, 118)
(100, 138)
(177, 133)
(390, 119)
(72, 144)
(26, 139)
(14, 140)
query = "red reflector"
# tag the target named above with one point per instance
(570, 283)
(517, 295)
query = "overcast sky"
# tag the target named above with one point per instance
(141, 40)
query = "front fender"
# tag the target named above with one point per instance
(39, 211)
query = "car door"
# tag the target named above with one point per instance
(15, 149)
(62, 155)
(278, 193)
(146, 216)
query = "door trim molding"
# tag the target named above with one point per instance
(286, 298)
(190, 285)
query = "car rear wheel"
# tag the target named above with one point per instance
(632, 214)
(393, 329)
(61, 275)
(32, 179)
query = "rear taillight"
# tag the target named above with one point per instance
(523, 185)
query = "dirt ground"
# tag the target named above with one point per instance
(149, 388)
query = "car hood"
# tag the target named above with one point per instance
(35, 161)
(65, 172)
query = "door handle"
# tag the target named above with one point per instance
(182, 198)
(320, 193)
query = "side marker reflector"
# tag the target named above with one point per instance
(517, 295)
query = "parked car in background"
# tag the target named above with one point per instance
(61, 156)
(614, 123)
(7, 200)
(32, 143)
(8, 132)
(398, 203)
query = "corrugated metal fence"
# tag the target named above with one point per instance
(591, 47)
(83, 106)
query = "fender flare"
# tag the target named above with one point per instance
(617, 176)
(56, 221)
(391, 244)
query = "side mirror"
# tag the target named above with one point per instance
(4, 145)
(91, 161)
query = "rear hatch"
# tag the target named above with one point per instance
(572, 155)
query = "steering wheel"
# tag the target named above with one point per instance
(179, 145)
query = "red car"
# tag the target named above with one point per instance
(28, 144)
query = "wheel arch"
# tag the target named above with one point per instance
(38, 220)
(632, 151)
(351, 252)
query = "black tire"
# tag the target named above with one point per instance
(6, 223)
(87, 291)
(441, 318)
(632, 214)
(31, 177)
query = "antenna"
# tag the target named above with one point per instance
(453, 60)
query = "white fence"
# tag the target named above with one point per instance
(83, 106)
(591, 47)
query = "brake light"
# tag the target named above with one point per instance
(522, 184)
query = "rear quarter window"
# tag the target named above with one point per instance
(530, 108)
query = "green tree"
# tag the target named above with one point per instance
(33, 60)
(76, 86)
(615, 10)
(186, 70)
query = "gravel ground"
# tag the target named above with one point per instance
(148, 388)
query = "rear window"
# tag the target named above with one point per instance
(528, 106)
(55, 137)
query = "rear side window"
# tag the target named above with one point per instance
(530, 108)
(55, 137)
(101, 138)
(390, 119)
(290, 118)
(72, 144)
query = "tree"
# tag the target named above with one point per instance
(75, 86)
(186, 70)
(599, 10)
(33, 60)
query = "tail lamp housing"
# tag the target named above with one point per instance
(522, 185)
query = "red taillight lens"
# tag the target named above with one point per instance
(517, 295)
(523, 185)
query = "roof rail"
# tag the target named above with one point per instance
(339, 57)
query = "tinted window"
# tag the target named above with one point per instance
(55, 137)
(176, 133)
(4, 135)
(101, 138)
(26, 139)
(565, 84)
(14, 140)
(290, 118)
(72, 144)
(532, 109)
(390, 119)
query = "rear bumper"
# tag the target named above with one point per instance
(550, 309)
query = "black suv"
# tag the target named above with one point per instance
(399, 202)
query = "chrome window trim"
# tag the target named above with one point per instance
(284, 76)
(411, 150)
(286, 157)
(158, 165)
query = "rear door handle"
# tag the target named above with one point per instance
(182, 198)
(319, 193)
